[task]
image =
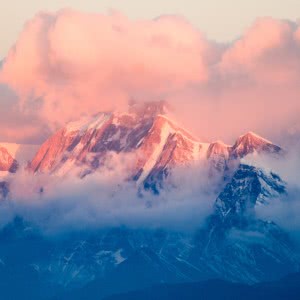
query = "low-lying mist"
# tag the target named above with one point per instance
(107, 198)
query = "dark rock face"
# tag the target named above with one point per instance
(249, 187)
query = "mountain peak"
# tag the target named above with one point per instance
(218, 148)
(149, 109)
(86, 123)
(252, 136)
(251, 143)
(7, 162)
(146, 131)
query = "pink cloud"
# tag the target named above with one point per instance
(70, 63)
(265, 34)
(266, 52)
(85, 62)
(17, 126)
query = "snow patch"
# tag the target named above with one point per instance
(86, 123)
(118, 257)
(149, 165)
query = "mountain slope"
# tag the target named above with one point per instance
(238, 245)
(249, 187)
(234, 245)
(286, 288)
(251, 142)
(7, 162)
(156, 142)
(13, 156)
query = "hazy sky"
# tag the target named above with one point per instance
(219, 19)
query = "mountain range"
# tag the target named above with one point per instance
(234, 244)
(157, 142)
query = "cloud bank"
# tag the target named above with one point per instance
(69, 63)
(107, 199)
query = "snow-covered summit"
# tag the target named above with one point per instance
(146, 131)
(86, 123)
(251, 142)
(155, 139)
(7, 162)
(13, 156)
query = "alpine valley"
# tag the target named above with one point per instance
(234, 243)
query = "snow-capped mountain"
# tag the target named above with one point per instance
(13, 156)
(236, 243)
(7, 162)
(233, 244)
(158, 144)
(252, 142)
(156, 141)
(249, 187)
(218, 154)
